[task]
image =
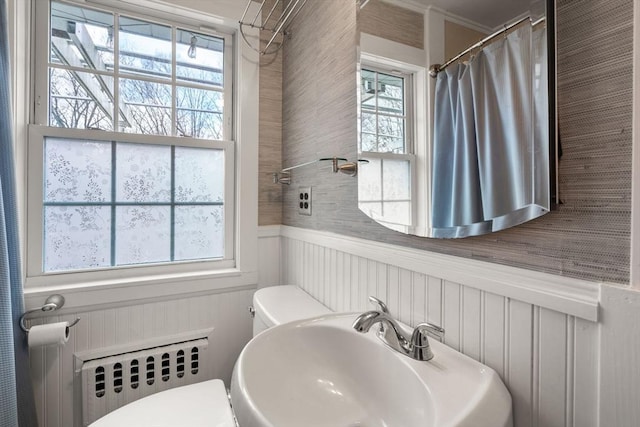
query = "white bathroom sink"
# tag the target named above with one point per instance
(321, 372)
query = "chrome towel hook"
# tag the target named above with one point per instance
(54, 302)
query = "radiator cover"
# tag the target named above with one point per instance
(110, 382)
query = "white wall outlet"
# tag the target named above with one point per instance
(304, 200)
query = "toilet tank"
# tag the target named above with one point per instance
(276, 305)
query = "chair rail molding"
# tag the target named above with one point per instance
(570, 296)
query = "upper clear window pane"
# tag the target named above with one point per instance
(145, 48)
(80, 100)
(165, 81)
(200, 58)
(81, 37)
(145, 107)
(200, 113)
(383, 112)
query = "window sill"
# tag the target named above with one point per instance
(112, 292)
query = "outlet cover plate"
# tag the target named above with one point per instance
(304, 200)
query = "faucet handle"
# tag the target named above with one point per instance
(381, 305)
(420, 348)
(431, 328)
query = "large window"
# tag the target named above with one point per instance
(386, 130)
(131, 159)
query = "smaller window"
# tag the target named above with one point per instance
(385, 183)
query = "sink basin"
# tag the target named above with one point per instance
(322, 373)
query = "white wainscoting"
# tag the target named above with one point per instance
(52, 369)
(538, 331)
(269, 256)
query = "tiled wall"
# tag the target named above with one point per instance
(587, 237)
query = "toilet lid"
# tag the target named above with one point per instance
(282, 304)
(196, 405)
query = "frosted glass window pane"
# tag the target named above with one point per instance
(372, 209)
(397, 179)
(80, 100)
(369, 181)
(76, 237)
(199, 232)
(143, 173)
(143, 234)
(204, 63)
(77, 171)
(200, 113)
(145, 48)
(397, 212)
(145, 107)
(199, 175)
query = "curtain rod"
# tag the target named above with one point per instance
(436, 68)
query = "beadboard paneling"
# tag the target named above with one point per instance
(545, 357)
(587, 237)
(620, 358)
(52, 370)
(269, 256)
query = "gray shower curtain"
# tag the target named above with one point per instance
(483, 147)
(456, 197)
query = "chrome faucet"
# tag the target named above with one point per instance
(413, 344)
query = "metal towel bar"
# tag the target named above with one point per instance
(275, 25)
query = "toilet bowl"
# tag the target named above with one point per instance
(206, 403)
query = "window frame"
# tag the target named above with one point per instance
(235, 257)
(409, 77)
(393, 55)
(35, 202)
(42, 60)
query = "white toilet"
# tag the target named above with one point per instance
(206, 403)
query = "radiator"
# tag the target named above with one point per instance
(113, 381)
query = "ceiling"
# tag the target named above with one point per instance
(489, 13)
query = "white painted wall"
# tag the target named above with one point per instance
(52, 369)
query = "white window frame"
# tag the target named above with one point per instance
(383, 54)
(380, 65)
(240, 267)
